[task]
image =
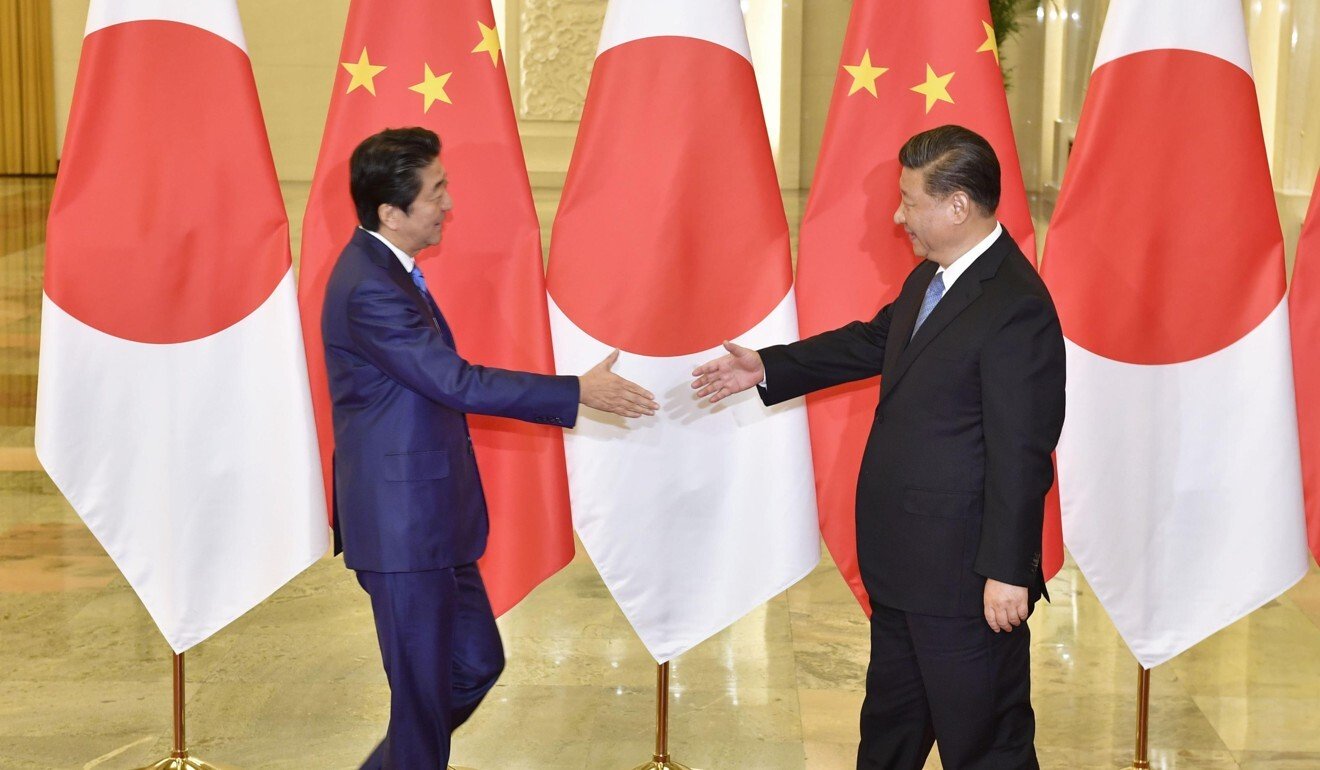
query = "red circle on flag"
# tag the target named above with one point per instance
(167, 223)
(671, 234)
(1165, 244)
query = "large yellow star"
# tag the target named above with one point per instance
(864, 74)
(990, 44)
(432, 87)
(490, 43)
(362, 71)
(935, 89)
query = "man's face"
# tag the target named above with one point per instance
(423, 224)
(929, 221)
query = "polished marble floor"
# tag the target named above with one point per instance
(297, 682)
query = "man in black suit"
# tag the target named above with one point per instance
(951, 492)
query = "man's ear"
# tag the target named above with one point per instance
(387, 213)
(960, 205)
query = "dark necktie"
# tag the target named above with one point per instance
(933, 294)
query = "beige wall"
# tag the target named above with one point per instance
(824, 23)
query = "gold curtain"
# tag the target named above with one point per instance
(27, 111)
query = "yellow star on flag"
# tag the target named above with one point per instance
(935, 89)
(432, 87)
(864, 74)
(490, 43)
(362, 71)
(990, 43)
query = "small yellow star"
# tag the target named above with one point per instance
(864, 74)
(362, 71)
(432, 87)
(935, 89)
(490, 43)
(990, 43)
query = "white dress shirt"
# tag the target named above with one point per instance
(950, 274)
(405, 260)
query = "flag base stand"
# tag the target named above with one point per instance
(181, 763)
(179, 759)
(1142, 759)
(662, 763)
(661, 760)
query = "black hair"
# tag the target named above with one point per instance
(955, 158)
(386, 168)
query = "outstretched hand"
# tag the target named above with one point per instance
(602, 389)
(730, 374)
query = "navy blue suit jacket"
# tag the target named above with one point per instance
(407, 493)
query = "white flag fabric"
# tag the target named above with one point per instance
(671, 238)
(173, 409)
(1179, 472)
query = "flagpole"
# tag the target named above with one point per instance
(661, 760)
(179, 758)
(1142, 759)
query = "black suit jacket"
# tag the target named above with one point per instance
(952, 485)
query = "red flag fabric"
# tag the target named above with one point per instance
(172, 405)
(1304, 309)
(906, 67)
(439, 65)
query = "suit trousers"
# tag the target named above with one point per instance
(442, 654)
(947, 681)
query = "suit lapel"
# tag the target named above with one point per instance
(964, 292)
(381, 255)
(906, 308)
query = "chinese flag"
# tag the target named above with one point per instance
(1304, 307)
(439, 65)
(906, 67)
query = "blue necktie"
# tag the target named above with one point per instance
(933, 294)
(419, 281)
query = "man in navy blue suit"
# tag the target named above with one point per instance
(410, 512)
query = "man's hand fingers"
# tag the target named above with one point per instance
(1002, 616)
(711, 367)
(709, 378)
(990, 619)
(638, 390)
(634, 391)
